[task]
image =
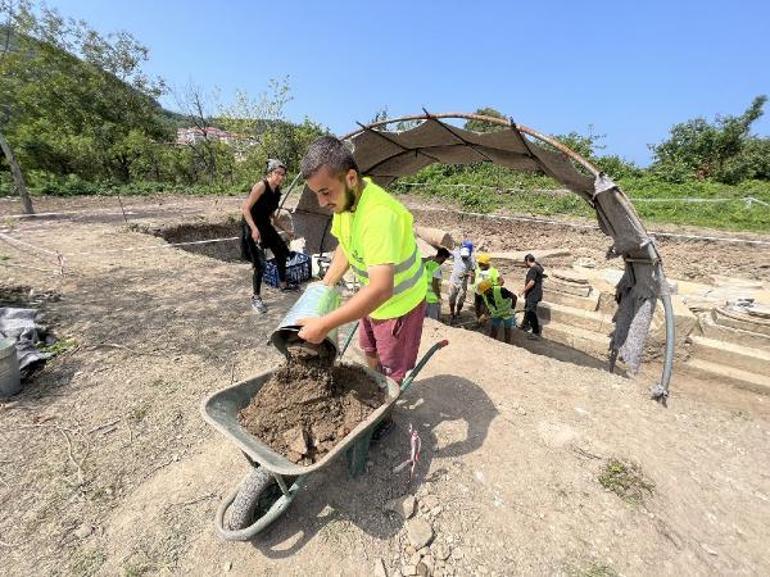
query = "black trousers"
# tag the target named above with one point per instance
(530, 316)
(255, 253)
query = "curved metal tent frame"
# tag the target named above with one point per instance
(386, 156)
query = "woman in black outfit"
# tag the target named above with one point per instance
(258, 231)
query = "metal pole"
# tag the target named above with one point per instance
(288, 190)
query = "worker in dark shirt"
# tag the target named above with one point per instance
(258, 231)
(500, 303)
(533, 294)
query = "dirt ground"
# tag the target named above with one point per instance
(685, 259)
(108, 468)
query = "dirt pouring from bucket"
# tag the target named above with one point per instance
(306, 407)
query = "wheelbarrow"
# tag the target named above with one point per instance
(273, 481)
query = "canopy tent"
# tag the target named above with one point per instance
(385, 156)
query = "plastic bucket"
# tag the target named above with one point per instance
(10, 380)
(317, 300)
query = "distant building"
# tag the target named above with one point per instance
(194, 135)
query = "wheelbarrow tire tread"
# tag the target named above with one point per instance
(241, 512)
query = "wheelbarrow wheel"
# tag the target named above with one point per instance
(258, 491)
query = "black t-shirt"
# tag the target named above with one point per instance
(506, 294)
(535, 273)
(266, 205)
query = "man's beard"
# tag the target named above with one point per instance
(350, 198)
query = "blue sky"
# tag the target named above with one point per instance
(630, 69)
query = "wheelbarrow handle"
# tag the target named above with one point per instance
(348, 340)
(425, 358)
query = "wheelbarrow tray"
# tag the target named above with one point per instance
(220, 409)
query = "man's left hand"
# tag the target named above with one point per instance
(313, 330)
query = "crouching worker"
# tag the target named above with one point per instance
(376, 240)
(500, 303)
(484, 271)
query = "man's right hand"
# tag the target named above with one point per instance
(255, 234)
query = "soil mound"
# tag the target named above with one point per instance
(305, 408)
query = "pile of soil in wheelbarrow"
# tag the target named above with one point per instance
(306, 408)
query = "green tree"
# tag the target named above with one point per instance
(483, 125)
(617, 167)
(586, 145)
(263, 132)
(7, 9)
(710, 150)
(73, 97)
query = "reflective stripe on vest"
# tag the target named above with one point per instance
(405, 284)
(399, 268)
(502, 307)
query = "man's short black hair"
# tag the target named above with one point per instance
(330, 152)
(442, 253)
(529, 258)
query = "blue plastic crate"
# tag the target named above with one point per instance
(297, 269)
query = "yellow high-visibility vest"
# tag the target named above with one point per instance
(500, 308)
(491, 274)
(379, 231)
(430, 267)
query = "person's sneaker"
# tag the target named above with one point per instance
(535, 337)
(290, 287)
(258, 305)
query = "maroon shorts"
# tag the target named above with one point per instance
(395, 341)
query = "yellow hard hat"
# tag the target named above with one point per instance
(482, 258)
(485, 285)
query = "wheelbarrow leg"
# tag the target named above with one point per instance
(358, 453)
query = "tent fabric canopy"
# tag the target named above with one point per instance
(385, 156)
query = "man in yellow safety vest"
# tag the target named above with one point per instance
(484, 271)
(433, 279)
(377, 241)
(500, 303)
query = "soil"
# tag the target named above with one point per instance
(108, 469)
(305, 409)
(685, 259)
